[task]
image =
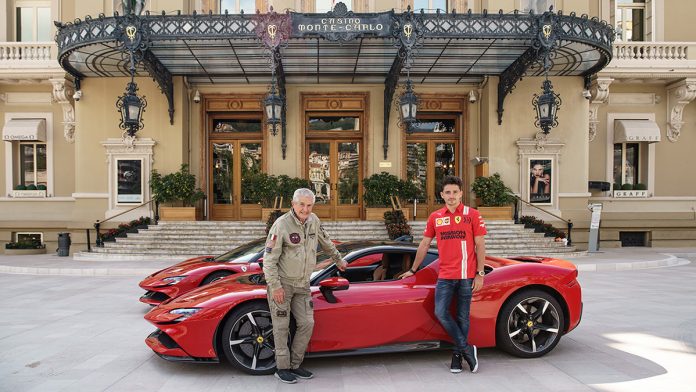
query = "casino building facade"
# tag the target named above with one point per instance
(341, 76)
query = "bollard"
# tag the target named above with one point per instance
(64, 244)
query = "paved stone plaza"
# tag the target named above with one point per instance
(85, 333)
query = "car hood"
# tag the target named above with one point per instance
(249, 284)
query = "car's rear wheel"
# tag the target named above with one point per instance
(247, 339)
(215, 276)
(530, 324)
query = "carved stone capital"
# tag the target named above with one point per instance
(62, 94)
(679, 95)
(599, 94)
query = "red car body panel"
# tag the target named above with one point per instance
(371, 314)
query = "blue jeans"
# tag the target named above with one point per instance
(445, 291)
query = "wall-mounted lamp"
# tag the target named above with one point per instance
(472, 96)
(197, 97)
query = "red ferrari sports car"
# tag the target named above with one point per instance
(525, 306)
(198, 271)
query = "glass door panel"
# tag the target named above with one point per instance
(319, 167)
(251, 165)
(222, 173)
(348, 173)
(444, 166)
(417, 168)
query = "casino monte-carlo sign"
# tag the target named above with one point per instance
(341, 27)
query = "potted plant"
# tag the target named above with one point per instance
(378, 189)
(175, 188)
(396, 224)
(495, 197)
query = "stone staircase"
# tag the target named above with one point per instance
(505, 238)
(182, 240)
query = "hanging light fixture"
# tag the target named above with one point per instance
(273, 103)
(408, 104)
(546, 105)
(131, 107)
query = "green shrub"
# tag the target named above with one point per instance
(617, 186)
(275, 214)
(25, 245)
(627, 187)
(176, 187)
(20, 187)
(41, 187)
(640, 187)
(379, 186)
(31, 187)
(492, 191)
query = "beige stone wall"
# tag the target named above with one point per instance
(679, 16)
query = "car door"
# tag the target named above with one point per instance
(372, 313)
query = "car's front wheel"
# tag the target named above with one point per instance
(530, 324)
(247, 339)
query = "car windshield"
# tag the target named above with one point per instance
(243, 253)
(324, 258)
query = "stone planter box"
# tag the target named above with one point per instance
(377, 213)
(23, 252)
(496, 213)
(178, 213)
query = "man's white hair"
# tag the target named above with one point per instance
(303, 192)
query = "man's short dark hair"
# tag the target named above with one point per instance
(451, 180)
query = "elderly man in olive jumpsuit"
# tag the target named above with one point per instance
(288, 262)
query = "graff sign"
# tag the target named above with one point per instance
(335, 28)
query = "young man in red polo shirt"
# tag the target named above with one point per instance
(460, 241)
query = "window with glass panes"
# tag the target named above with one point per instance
(33, 21)
(237, 6)
(322, 6)
(538, 6)
(429, 5)
(31, 164)
(627, 163)
(630, 20)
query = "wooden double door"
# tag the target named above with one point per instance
(230, 163)
(334, 169)
(427, 163)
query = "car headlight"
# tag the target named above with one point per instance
(173, 280)
(184, 312)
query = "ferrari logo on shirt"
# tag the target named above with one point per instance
(442, 221)
(457, 219)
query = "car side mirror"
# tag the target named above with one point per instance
(328, 286)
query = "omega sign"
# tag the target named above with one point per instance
(341, 28)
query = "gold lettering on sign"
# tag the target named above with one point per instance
(130, 32)
(272, 29)
(408, 30)
(546, 30)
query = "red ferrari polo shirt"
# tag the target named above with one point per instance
(455, 234)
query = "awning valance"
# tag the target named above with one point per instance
(632, 131)
(25, 129)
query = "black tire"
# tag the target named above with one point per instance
(530, 324)
(217, 275)
(247, 339)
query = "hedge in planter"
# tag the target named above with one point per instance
(378, 188)
(492, 191)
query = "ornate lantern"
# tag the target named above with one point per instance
(546, 106)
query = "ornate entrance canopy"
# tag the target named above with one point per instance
(341, 47)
